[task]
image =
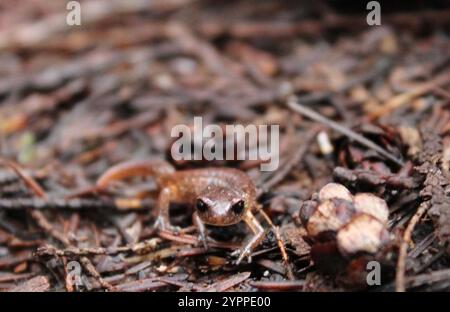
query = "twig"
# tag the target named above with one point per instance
(229, 282)
(72, 204)
(283, 285)
(42, 221)
(173, 251)
(28, 179)
(95, 251)
(193, 240)
(93, 11)
(374, 178)
(281, 246)
(421, 246)
(149, 283)
(401, 263)
(14, 277)
(37, 216)
(272, 266)
(36, 284)
(295, 159)
(428, 278)
(297, 107)
(408, 96)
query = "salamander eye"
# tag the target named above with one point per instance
(238, 207)
(201, 205)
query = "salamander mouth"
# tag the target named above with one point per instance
(220, 221)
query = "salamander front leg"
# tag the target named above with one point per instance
(201, 229)
(253, 242)
(163, 221)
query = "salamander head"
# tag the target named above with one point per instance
(221, 206)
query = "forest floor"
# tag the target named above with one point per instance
(75, 100)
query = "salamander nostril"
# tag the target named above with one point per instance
(201, 205)
(238, 207)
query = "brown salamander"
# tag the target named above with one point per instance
(221, 196)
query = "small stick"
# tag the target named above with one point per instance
(38, 216)
(181, 284)
(282, 285)
(407, 97)
(297, 107)
(72, 204)
(295, 159)
(280, 243)
(36, 284)
(29, 181)
(173, 251)
(374, 178)
(428, 278)
(8, 177)
(153, 283)
(193, 240)
(95, 251)
(94, 273)
(272, 266)
(42, 221)
(401, 263)
(225, 284)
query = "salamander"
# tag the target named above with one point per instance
(220, 196)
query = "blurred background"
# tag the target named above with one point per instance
(76, 99)
(106, 84)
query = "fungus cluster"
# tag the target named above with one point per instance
(346, 231)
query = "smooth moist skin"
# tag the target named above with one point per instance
(221, 196)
